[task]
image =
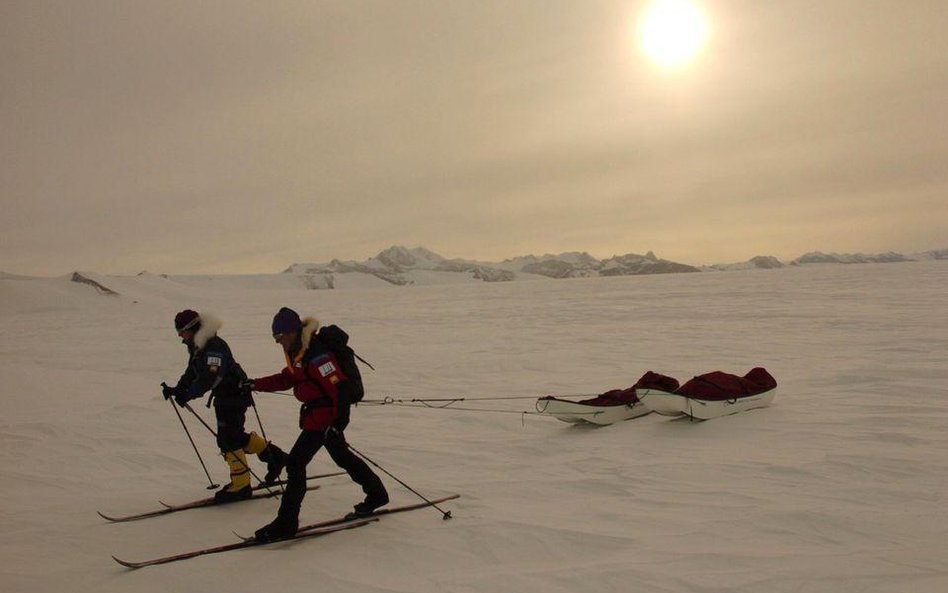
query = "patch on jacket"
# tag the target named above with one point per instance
(327, 369)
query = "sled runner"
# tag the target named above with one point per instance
(713, 394)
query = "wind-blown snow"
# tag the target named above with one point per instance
(839, 486)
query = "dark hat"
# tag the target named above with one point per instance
(286, 321)
(187, 320)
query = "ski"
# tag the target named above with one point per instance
(343, 520)
(206, 502)
(243, 544)
(197, 504)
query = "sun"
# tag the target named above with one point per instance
(672, 32)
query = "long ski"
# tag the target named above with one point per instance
(197, 504)
(342, 520)
(243, 544)
(206, 502)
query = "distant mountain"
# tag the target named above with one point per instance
(398, 265)
(760, 262)
(935, 254)
(394, 264)
(401, 258)
(632, 264)
(401, 266)
(573, 264)
(817, 257)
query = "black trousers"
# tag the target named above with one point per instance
(305, 447)
(230, 427)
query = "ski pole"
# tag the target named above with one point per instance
(213, 486)
(207, 426)
(263, 431)
(444, 514)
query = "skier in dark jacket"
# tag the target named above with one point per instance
(211, 367)
(315, 376)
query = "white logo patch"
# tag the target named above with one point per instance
(213, 361)
(327, 369)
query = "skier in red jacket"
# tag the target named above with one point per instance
(314, 374)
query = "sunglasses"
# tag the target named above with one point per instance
(188, 327)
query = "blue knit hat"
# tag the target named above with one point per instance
(286, 321)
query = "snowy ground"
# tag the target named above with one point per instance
(839, 486)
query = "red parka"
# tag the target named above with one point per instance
(313, 373)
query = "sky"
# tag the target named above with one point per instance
(242, 137)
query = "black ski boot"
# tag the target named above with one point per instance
(279, 528)
(276, 461)
(367, 507)
(224, 495)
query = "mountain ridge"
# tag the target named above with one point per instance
(394, 263)
(402, 266)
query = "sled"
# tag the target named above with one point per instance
(606, 408)
(582, 413)
(712, 395)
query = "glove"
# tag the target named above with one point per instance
(181, 397)
(246, 385)
(167, 391)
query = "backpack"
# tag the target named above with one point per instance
(337, 341)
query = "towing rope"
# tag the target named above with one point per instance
(444, 403)
(447, 401)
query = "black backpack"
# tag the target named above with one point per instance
(337, 341)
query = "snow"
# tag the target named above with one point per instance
(838, 486)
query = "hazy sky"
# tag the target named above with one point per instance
(243, 136)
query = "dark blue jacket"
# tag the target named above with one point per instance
(211, 367)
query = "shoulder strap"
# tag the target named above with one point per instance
(364, 361)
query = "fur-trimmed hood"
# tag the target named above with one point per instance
(310, 327)
(209, 327)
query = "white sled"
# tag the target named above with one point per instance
(578, 412)
(672, 404)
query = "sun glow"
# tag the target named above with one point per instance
(673, 31)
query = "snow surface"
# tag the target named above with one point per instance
(839, 486)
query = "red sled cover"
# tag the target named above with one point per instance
(619, 397)
(718, 386)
